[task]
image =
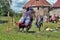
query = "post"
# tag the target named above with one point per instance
(8, 22)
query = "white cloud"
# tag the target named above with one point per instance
(16, 9)
(17, 5)
(52, 1)
(20, 1)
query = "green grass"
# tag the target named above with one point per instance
(3, 18)
(15, 35)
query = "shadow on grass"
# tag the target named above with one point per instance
(2, 21)
(16, 29)
(31, 31)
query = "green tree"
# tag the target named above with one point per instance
(5, 7)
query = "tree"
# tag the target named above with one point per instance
(5, 6)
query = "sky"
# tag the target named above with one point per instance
(52, 1)
(18, 4)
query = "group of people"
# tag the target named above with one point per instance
(28, 16)
(53, 19)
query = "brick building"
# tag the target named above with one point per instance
(41, 7)
(56, 8)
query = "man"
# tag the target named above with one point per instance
(39, 22)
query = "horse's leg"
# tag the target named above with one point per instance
(28, 28)
(20, 26)
(23, 28)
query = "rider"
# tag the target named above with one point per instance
(26, 18)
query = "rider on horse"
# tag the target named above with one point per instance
(26, 20)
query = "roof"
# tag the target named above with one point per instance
(57, 4)
(37, 3)
(28, 4)
(41, 3)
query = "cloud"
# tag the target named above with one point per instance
(20, 1)
(16, 9)
(17, 5)
(52, 1)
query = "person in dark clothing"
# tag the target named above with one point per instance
(39, 22)
(57, 18)
(50, 19)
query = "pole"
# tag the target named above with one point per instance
(8, 22)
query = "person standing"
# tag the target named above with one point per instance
(39, 22)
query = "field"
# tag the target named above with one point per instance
(32, 35)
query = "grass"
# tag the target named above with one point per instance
(15, 35)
